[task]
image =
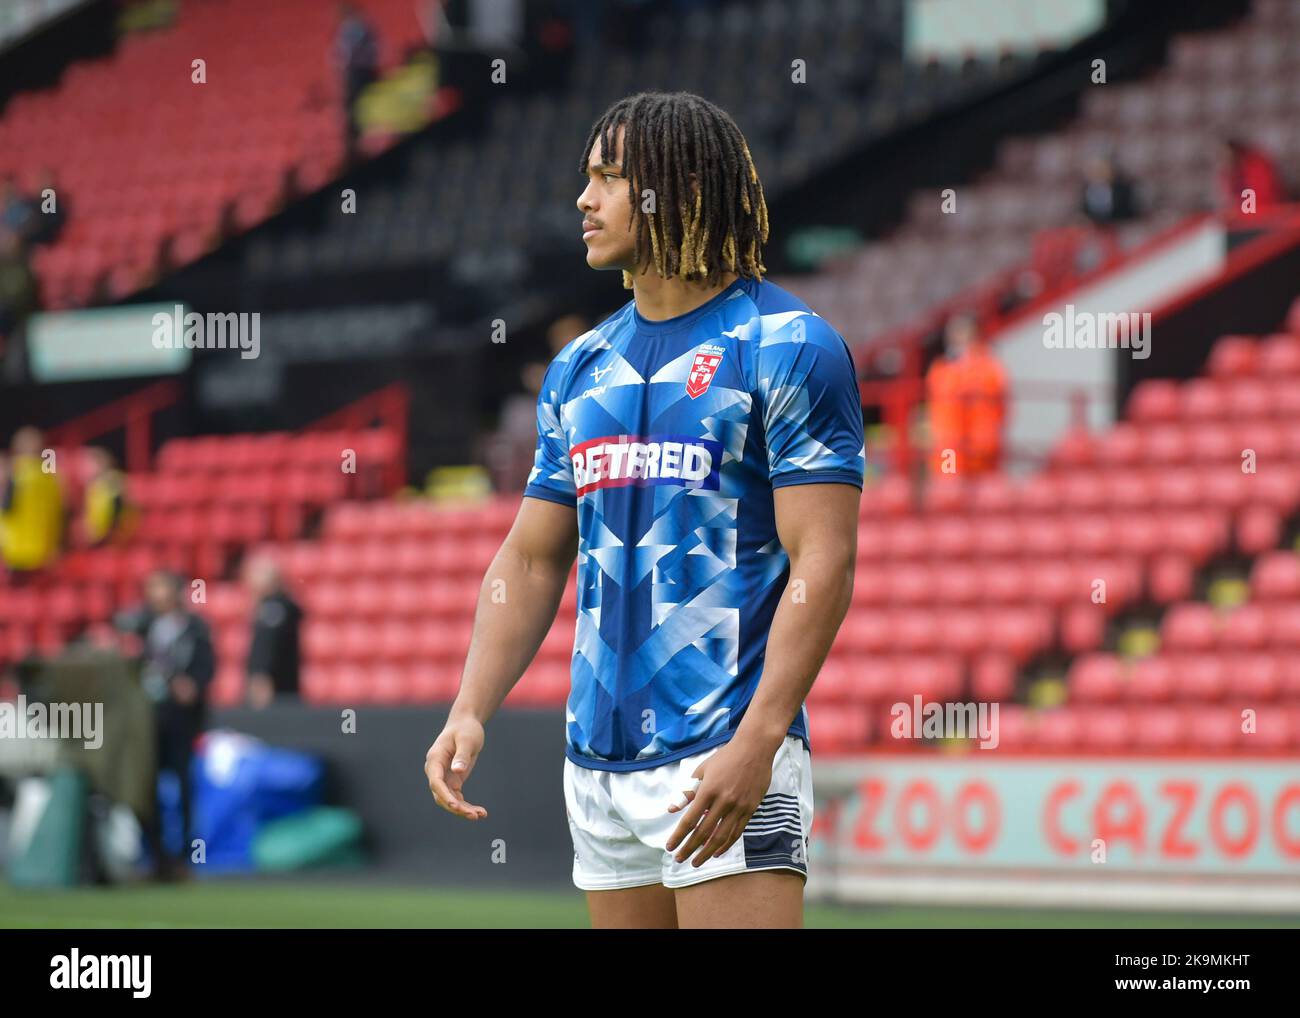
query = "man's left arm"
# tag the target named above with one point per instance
(807, 394)
(818, 527)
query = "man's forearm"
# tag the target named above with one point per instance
(814, 603)
(516, 606)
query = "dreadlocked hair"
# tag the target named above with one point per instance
(699, 228)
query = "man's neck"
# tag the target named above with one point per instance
(658, 299)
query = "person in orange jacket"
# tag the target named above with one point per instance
(966, 391)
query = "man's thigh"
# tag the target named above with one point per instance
(762, 899)
(650, 907)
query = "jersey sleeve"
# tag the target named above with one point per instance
(812, 413)
(552, 475)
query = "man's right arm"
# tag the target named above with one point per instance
(517, 604)
(516, 607)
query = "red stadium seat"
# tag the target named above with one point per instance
(1284, 625)
(1204, 399)
(1121, 446)
(1096, 678)
(1189, 627)
(1253, 677)
(1108, 729)
(1259, 528)
(1212, 728)
(1199, 677)
(1171, 578)
(890, 496)
(1058, 729)
(1279, 356)
(1083, 628)
(993, 678)
(1244, 628)
(1233, 356)
(1159, 729)
(1155, 400)
(1276, 577)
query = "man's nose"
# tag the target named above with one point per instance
(584, 202)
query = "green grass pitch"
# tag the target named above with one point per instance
(258, 903)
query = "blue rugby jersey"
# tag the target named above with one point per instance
(669, 438)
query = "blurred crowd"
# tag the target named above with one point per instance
(179, 662)
(170, 640)
(966, 386)
(27, 221)
(39, 523)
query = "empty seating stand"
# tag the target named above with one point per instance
(149, 162)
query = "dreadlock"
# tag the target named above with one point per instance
(695, 232)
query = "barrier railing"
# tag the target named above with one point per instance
(134, 413)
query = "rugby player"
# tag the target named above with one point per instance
(701, 453)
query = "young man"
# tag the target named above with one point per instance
(701, 451)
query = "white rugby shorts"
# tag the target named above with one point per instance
(620, 823)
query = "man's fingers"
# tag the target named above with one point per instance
(703, 830)
(724, 836)
(688, 821)
(724, 839)
(446, 791)
(690, 796)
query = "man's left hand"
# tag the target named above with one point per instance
(733, 782)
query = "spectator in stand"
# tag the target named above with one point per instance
(17, 286)
(433, 22)
(1247, 168)
(1108, 196)
(273, 655)
(966, 391)
(510, 450)
(178, 666)
(356, 54)
(31, 506)
(47, 225)
(18, 213)
(107, 517)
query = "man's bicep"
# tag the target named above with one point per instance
(545, 532)
(818, 518)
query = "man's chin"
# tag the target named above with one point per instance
(604, 262)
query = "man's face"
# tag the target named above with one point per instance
(161, 595)
(959, 337)
(263, 578)
(27, 442)
(607, 211)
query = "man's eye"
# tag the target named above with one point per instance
(609, 176)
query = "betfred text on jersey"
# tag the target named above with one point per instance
(615, 461)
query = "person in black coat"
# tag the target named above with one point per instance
(178, 668)
(273, 654)
(1108, 195)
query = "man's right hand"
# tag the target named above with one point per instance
(449, 762)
